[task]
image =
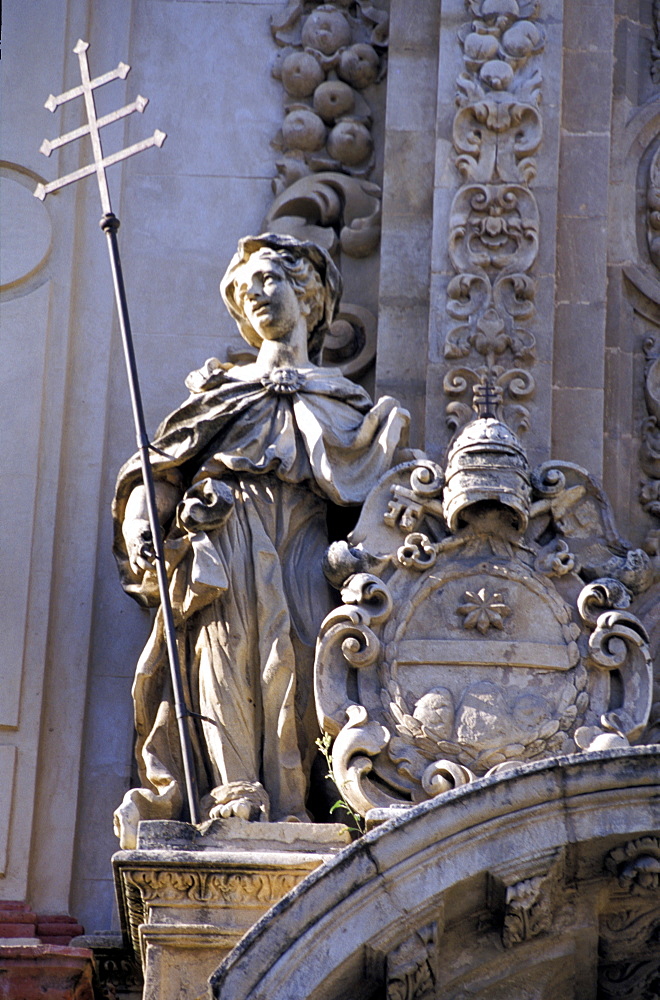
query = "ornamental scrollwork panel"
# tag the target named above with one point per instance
(494, 218)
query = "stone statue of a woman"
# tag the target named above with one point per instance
(245, 469)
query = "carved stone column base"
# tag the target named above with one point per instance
(187, 897)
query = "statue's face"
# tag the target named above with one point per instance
(267, 298)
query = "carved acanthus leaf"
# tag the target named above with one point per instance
(411, 966)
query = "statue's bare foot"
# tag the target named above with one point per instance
(241, 808)
(126, 819)
(247, 800)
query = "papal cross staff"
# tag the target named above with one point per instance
(110, 225)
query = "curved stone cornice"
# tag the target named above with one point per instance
(519, 845)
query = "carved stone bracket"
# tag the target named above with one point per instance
(636, 865)
(527, 906)
(528, 910)
(494, 221)
(412, 966)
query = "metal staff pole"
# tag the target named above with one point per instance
(110, 224)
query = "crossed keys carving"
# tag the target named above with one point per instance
(93, 128)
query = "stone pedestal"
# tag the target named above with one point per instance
(187, 897)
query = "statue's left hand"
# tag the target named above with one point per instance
(139, 545)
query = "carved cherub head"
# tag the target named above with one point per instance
(435, 710)
(307, 268)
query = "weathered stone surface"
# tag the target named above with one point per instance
(70, 639)
(45, 972)
(484, 610)
(245, 503)
(556, 824)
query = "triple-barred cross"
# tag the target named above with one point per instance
(93, 129)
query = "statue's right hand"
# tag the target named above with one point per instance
(139, 546)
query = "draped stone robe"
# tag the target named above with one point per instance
(256, 467)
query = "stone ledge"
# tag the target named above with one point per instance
(187, 896)
(45, 972)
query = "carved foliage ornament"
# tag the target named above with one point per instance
(330, 54)
(494, 222)
(141, 888)
(529, 910)
(629, 930)
(411, 966)
(636, 865)
(653, 209)
(650, 446)
(655, 47)
(331, 58)
(496, 632)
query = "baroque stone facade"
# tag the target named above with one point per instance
(484, 175)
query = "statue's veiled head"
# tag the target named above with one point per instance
(307, 268)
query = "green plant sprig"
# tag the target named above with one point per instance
(323, 743)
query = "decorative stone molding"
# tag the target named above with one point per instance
(636, 865)
(207, 886)
(525, 896)
(182, 885)
(411, 966)
(529, 909)
(331, 56)
(186, 896)
(653, 209)
(655, 47)
(630, 923)
(650, 445)
(437, 859)
(494, 221)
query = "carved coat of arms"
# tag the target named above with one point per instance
(484, 624)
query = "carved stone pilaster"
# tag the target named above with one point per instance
(494, 221)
